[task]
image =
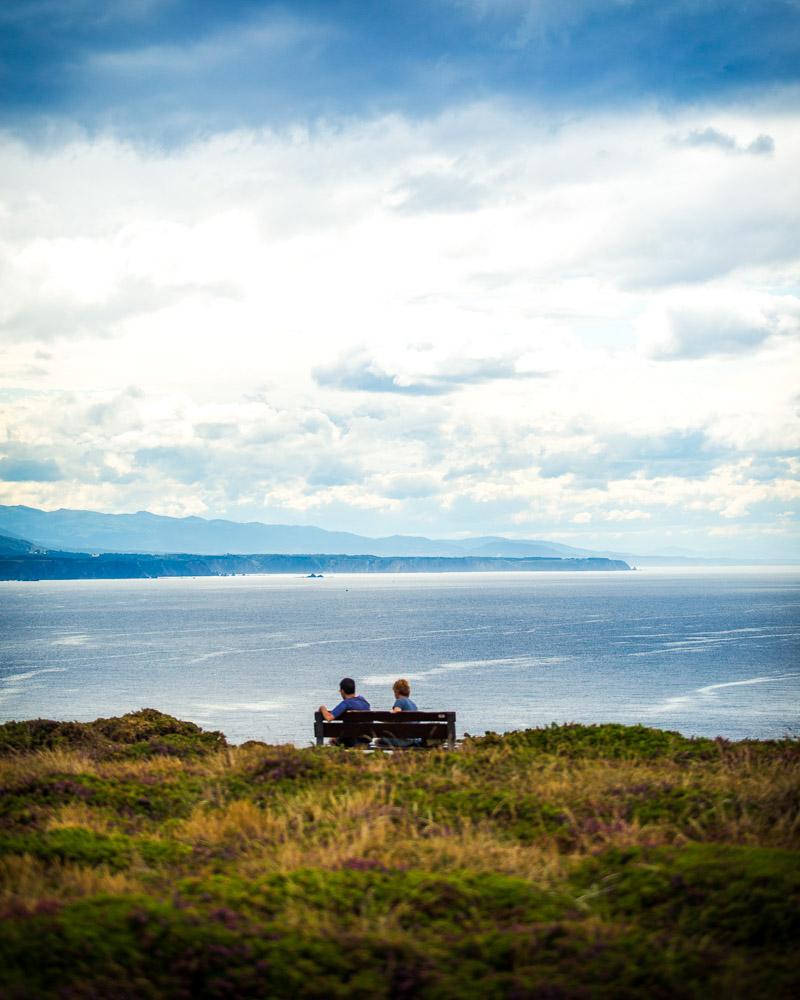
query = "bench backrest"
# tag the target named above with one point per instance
(433, 726)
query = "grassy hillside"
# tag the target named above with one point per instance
(143, 858)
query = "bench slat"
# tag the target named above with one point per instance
(355, 716)
(403, 730)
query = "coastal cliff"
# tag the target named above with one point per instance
(110, 565)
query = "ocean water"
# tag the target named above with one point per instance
(711, 652)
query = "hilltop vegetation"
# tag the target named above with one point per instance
(141, 857)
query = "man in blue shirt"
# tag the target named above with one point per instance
(350, 701)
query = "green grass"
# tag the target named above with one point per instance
(141, 857)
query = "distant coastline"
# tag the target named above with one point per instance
(133, 566)
(32, 531)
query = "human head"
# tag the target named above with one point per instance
(401, 688)
(347, 686)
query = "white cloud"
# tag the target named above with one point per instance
(712, 321)
(306, 334)
(627, 515)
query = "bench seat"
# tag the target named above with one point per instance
(425, 727)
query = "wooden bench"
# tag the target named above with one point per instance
(427, 727)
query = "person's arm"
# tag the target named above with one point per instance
(334, 713)
(396, 707)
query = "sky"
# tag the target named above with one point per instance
(434, 267)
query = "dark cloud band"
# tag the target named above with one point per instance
(175, 67)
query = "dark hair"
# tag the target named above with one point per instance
(401, 688)
(347, 685)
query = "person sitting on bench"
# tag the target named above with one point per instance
(351, 702)
(402, 700)
(402, 703)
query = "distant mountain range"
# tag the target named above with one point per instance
(27, 529)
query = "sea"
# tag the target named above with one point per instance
(712, 652)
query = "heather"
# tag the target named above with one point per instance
(142, 857)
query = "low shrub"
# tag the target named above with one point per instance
(610, 741)
(117, 850)
(744, 896)
(156, 799)
(138, 734)
(567, 862)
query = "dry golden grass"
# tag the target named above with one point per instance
(359, 808)
(330, 829)
(135, 770)
(240, 822)
(26, 767)
(473, 847)
(27, 880)
(78, 814)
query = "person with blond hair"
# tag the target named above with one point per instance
(402, 701)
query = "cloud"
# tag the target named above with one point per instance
(336, 471)
(173, 70)
(572, 220)
(627, 515)
(160, 69)
(699, 325)
(249, 327)
(408, 465)
(762, 145)
(359, 372)
(597, 457)
(89, 292)
(20, 470)
(184, 464)
(217, 430)
(439, 193)
(699, 333)
(407, 486)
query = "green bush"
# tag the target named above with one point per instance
(736, 895)
(522, 816)
(362, 888)
(608, 741)
(136, 947)
(145, 733)
(76, 844)
(157, 800)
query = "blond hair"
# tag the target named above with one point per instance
(401, 688)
